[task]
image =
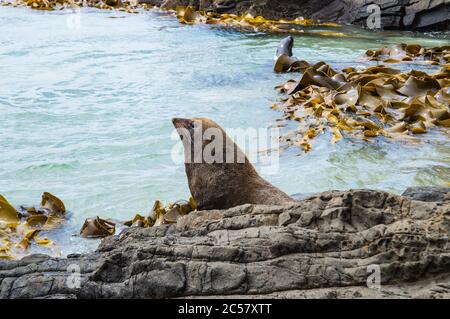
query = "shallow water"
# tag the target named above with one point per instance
(85, 109)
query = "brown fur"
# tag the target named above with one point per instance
(225, 185)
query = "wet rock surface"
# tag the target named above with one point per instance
(428, 194)
(395, 14)
(320, 247)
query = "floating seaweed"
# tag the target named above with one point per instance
(29, 236)
(159, 215)
(8, 213)
(375, 101)
(19, 227)
(53, 204)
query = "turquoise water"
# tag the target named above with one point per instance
(86, 103)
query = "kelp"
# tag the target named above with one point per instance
(363, 103)
(247, 22)
(29, 236)
(97, 228)
(158, 215)
(8, 213)
(50, 5)
(170, 214)
(396, 54)
(408, 53)
(19, 227)
(53, 204)
(188, 15)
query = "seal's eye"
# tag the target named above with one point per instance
(191, 125)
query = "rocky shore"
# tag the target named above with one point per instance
(413, 15)
(395, 14)
(326, 246)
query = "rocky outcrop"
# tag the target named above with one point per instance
(395, 14)
(326, 246)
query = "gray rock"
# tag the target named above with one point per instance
(325, 246)
(428, 194)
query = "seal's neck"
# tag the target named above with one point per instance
(215, 185)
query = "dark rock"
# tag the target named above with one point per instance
(321, 247)
(395, 14)
(428, 194)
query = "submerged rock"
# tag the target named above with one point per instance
(324, 246)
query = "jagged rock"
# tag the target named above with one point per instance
(402, 14)
(320, 247)
(395, 14)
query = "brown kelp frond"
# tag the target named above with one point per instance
(19, 227)
(97, 228)
(158, 215)
(410, 53)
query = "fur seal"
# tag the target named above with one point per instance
(230, 179)
(285, 47)
(284, 59)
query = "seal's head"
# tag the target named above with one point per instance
(285, 47)
(204, 141)
(185, 129)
